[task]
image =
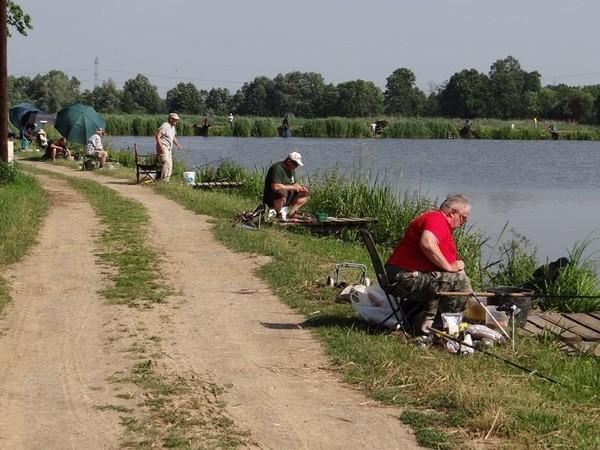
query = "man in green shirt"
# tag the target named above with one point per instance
(281, 190)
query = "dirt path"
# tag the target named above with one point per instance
(225, 322)
(54, 363)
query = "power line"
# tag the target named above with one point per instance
(172, 77)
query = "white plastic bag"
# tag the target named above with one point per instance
(480, 332)
(371, 306)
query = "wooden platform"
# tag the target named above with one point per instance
(218, 184)
(331, 223)
(577, 330)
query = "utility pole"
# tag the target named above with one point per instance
(3, 80)
(96, 72)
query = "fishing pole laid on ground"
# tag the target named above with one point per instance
(193, 169)
(510, 294)
(507, 361)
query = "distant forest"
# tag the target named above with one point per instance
(505, 92)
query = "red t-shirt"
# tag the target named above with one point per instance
(408, 254)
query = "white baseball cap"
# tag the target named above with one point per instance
(296, 157)
(174, 116)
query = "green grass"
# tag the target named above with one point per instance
(23, 205)
(469, 395)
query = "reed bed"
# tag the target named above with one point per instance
(342, 127)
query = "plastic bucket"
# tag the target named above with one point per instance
(503, 297)
(189, 178)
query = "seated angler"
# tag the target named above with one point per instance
(426, 261)
(281, 189)
(58, 148)
(95, 148)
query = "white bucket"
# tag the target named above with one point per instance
(189, 178)
(11, 151)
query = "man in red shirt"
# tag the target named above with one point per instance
(426, 261)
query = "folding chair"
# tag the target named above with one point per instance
(262, 213)
(147, 167)
(395, 302)
(89, 162)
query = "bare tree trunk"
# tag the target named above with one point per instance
(3, 80)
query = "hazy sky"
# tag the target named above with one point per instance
(225, 43)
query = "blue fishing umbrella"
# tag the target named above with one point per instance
(78, 122)
(22, 114)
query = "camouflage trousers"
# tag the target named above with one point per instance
(420, 287)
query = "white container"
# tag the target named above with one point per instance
(189, 178)
(11, 151)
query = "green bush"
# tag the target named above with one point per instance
(8, 173)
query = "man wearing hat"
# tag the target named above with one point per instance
(165, 138)
(282, 190)
(42, 139)
(95, 148)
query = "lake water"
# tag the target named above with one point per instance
(547, 191)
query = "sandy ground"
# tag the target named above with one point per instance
(54, 363)
(223, 321)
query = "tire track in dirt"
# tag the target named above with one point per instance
(226, 322)
(54, 362)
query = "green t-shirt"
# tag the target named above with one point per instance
(277, 174)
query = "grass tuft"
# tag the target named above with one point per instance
(23, 205)
(124, 245)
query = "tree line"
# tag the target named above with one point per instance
(505, 92)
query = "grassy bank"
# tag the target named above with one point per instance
(451, 402)
(23, 204)
(357, 196)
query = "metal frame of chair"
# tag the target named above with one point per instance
(254, 218)
(144, 170)
(394, 301)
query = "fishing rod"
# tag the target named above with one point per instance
(510, 294)
(201, 166)
(507, 361)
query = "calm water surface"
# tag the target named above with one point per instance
(545, 190)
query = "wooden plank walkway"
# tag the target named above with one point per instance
(218, 184)
(330, 222)
(579, 330)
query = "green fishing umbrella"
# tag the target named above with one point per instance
(78, 122)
